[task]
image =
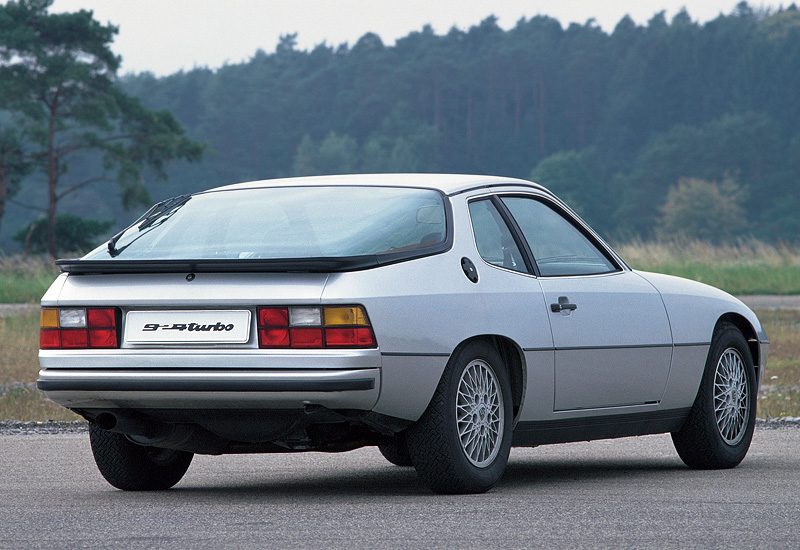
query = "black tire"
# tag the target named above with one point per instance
(712, 439)
(445, 463)
(132, 467)
(396, 452)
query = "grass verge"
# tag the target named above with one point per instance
(780, 388)
(25, 280)
(24, 402)
(748, 267)
(19, 347)
(19, 368)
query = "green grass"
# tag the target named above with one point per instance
(780, 389)
(25, 280)
(748, 267)
(19, 348)
(27, 404)
(19, 367)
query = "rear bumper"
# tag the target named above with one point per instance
(339, 389)
(223, 379)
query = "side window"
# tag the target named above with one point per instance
(558, 247)
(495, 243)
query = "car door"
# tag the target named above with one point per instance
(613, 344)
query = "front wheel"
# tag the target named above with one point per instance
(132, 467)
(720, 425)
(462, 441)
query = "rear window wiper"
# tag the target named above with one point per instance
(149, 218)
(166, 207)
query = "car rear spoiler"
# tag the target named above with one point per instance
(77, 266)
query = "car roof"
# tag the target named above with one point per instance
(449, 184)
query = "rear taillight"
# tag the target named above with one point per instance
(79, 328)
(314, 327)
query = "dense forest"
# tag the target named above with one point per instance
(647, 130)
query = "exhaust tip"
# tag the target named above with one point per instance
(106, 421)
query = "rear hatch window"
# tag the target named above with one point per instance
(286, 223)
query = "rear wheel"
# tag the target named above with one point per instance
(396, 452)
(132, 467)
(720, 426)
(461, 443)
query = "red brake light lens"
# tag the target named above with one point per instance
(273, 317)
(49, 339)
(273, 337)
(356, 337)
(101, 318)
(306, 337)
(103, 338)
(74, 338)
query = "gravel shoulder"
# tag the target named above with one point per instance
(15, 427)
(763, 301)
(15, 309)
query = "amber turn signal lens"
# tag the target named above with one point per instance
(350, 316)
(49, 318)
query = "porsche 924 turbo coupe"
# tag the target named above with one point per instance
(441, 318)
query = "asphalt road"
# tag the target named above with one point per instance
(629, 493)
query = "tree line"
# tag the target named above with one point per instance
(657, 130)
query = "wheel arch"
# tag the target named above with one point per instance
(749, 333)
(514, 360)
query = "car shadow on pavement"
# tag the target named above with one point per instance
(386, 481)
(553, 471)
(382, 481)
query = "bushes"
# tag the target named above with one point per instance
(73, 234)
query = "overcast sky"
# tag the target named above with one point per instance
(165, 36)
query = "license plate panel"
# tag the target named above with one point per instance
(218, 326)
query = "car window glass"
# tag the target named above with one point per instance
(493, 238)
(291, 222)
(558, 247)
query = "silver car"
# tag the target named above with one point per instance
(441, 318)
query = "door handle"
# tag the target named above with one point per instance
(563, 305)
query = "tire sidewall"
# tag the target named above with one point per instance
(488, 476)
(729, 338)
(130, 467)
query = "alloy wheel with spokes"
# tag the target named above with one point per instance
(731, 397)
(479, 413)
